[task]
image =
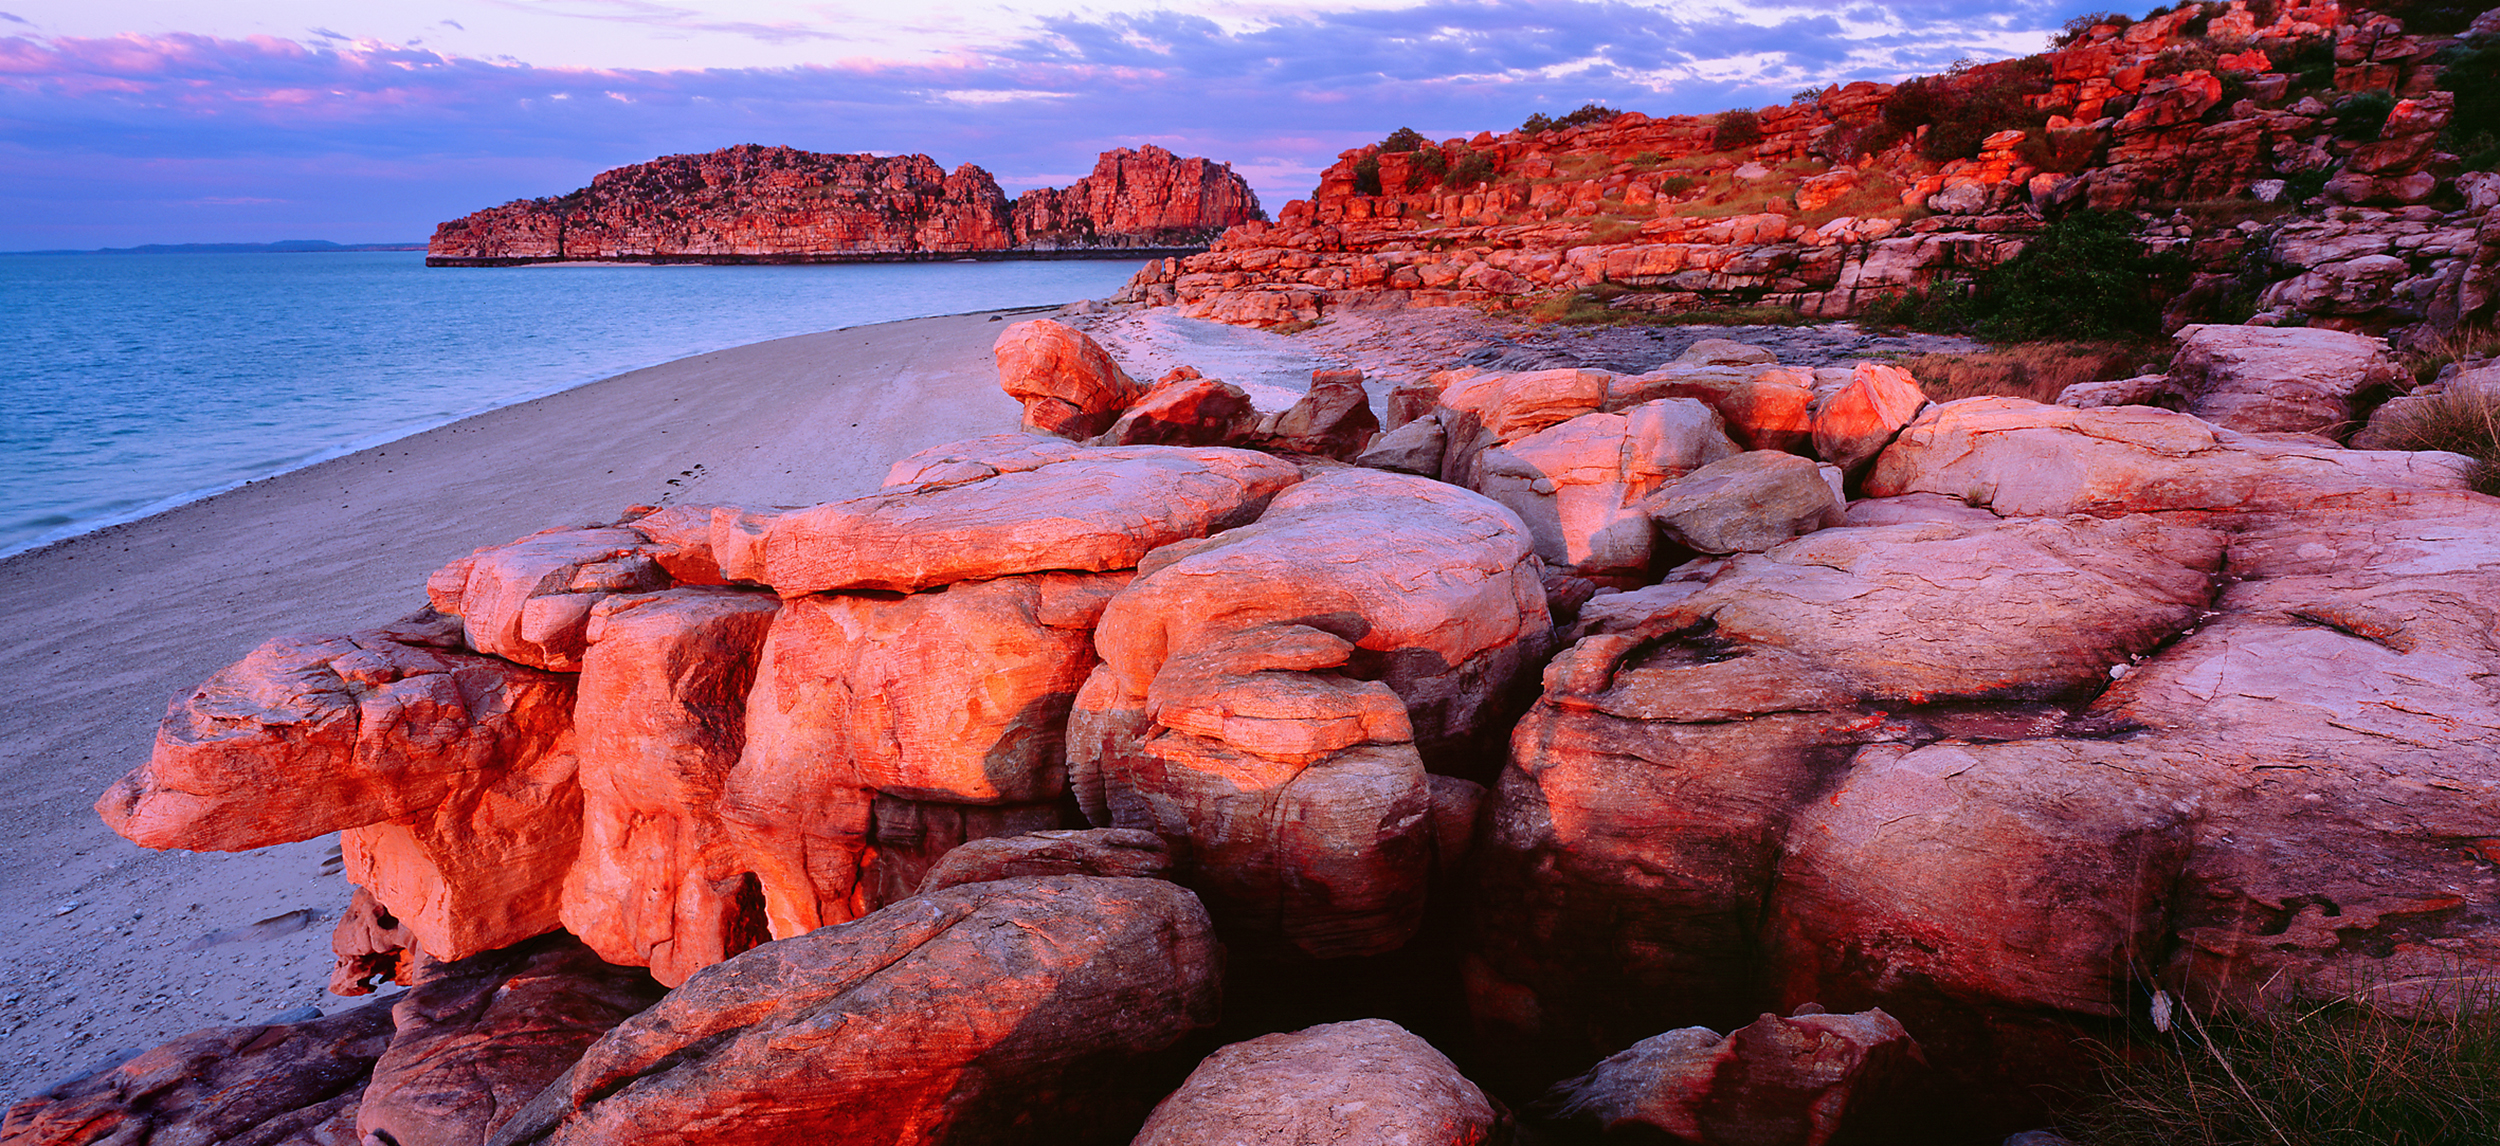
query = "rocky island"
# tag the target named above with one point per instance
(754, 204)
(1729, 747)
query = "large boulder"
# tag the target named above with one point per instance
(1035, 1009)
(1095, 851)
(1338, 1084)
(2018, 457)
(1855, 424)
(474, 1040)
(1185, 410)
(955, 696)
(658, 725)
(1577, 485)
(450, 776)
(1747, 503)
(2264, 379)
(1086, 510)
(1333, 419)
(529, 600)
(276, 1083)
(1068, 383)
(1272, 695)
(1801, 1081)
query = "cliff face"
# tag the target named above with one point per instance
(2250, 146)
(1143, 197)
(780, 204)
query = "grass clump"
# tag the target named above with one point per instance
(2337, 1073)
(2460, 422)
(2039, 371)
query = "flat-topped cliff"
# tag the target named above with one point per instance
(2301, 160)
(754, 204)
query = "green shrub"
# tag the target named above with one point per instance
(2473, 75)
(1367, 175)
(2085, 278)
(2336, 1074)
(1472, 168)
(2180, 59)
(1587, 114)
(2362, 115)
(1536, 124)
(1427, 169)
(1734, 129)
(1675, 185)
(1403, 139)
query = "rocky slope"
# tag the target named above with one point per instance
(2291, 153)
(1587, 721)
(779, 204)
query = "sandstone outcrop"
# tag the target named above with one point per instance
(1143, 197)
(1338, 1084)
(1274, 694)
(1026, 1009)
(1098, 851)
(1800, 1081)
(2280, 380)
(752, 204)
(1746, 503)
(2229, 131)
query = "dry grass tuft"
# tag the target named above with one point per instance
(2459, 345)
(2035, 370)
(2460, 422)
(2339, 1073)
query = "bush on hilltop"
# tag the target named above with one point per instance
(1734, 129)
(1403, 139)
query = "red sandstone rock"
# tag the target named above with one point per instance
(1189, 411)
(1746, 503)
(1337, 1084)
(659, 722)
(354, 730)
(475, 1040)
(1333, 419)
(1578, 485)
(298, 1082)
(1265, 692)
(681, 542)
(1093, 510)
(1800, 1081)
(2257, 379)
(369, 944)
(1141, 197)
(1854, 425)
(1096, 852)
(955, 696)
(1069, 385)
(529, 600)
(2018, 457)
(743, 204)
(1027, 1009)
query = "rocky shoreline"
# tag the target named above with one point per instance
(1581, 722)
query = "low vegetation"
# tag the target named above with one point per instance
(1734, 129)
(1588, 113)
(2039, 371)
(2461, 422)
(1963, 107)
(1591, 306)
(2086, 278)
(2328, 1075)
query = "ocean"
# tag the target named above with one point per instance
(130, 384)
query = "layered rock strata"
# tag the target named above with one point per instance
(1838, 203)
(752, 204)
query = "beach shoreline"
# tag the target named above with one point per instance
(111, 947)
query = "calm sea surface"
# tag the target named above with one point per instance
(133, 383)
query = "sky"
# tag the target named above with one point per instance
(163, 121)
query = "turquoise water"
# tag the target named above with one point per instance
(133, 383)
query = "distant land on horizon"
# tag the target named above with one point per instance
(282, 247)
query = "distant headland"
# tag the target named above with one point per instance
(756, 204)
(282, 247)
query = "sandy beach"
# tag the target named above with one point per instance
(97, 632)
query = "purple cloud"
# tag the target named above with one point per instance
(166, 125)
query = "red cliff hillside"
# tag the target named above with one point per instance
(753, 204)
(1147, 197)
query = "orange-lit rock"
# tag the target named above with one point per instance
(659, 723)
(1854, 425)
(1136, 197)
(1026, 1009)
(955, 696)
(529, 600)
(1089, 510)
(1068, 383)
